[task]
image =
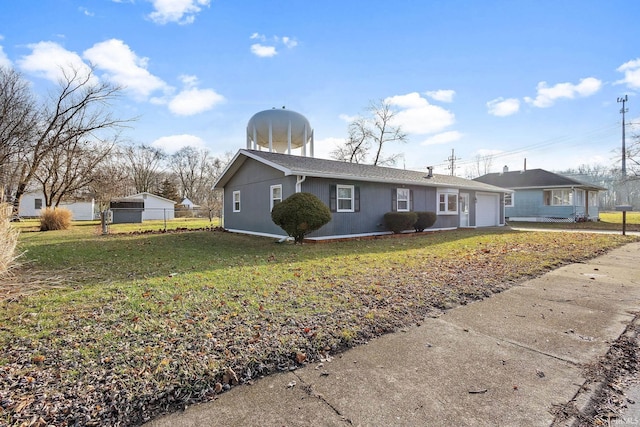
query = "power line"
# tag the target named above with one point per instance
(601, 133)
(452, 161)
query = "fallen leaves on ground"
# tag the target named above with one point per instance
(105, 366)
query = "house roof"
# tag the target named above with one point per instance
(322, 168)
(146, 193)
(534, 178)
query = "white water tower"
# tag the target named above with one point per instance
(280, 131)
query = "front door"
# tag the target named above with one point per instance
(464, 209)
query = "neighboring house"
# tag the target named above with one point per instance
(544, 196)
(189, 204)
(32, 203)
(358, 195)
(155, 207)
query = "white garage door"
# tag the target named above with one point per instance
(488, 210)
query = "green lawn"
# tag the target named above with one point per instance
(128, 325)
(609, 221)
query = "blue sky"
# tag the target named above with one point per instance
(517, 79)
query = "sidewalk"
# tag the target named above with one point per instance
(503, 361)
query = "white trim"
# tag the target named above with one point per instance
(408, 199)
(477, 185)
(447, 192)
(376, 233)
(352, 198)
(257, 233)
(271, 198)
(233, 201)
(513, 197)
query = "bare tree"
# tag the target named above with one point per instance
(633, 157)
(190, 166)
(110, 180)
(482, 164)
(17, 122)
(196, 170)
(79, 109)
(369, 135)
(71, 167)
(384, 131)
(211, 199)
(145, 165)
(357, 145)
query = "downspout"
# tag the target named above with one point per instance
(299, 182)
(573, 198)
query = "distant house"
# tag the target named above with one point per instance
(543, 196)
(32, 204)
(357, 195)
(155, 207)
(188, 204)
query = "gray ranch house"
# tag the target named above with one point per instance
(357, 195)
(543, 196)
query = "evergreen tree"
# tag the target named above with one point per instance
(169, 191)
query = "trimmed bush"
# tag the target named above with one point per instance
(55, 219)
(400, 221)
(425, 220)
(300, 214)
(8, 239)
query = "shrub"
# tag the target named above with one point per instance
(425, 220)
(55, 219)
(8, 239)
(400, 221)
(300, 214)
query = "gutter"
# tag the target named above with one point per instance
(299, 181)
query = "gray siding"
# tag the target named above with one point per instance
(254, 181)
(375, 200)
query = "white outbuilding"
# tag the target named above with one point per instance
(155, 207)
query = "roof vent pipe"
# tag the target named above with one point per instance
(430, 172)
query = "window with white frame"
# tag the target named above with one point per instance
(37, 204)
(403, 200)
(276, 195)
(579, 194)
(236, 201)
(447, 202)
(593, 198)
(508, 199)
(345, 198)
(562, 197)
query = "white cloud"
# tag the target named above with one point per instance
(503, 107)
(86, 11)
(631, 70)
(443, 138)
(442, 95)
(124, 67)
(347, 118)
(547, 96)
(193, 101)
(263, 51)
(171, 144)
(49, 60)
(417, 116)
(180, 11)
(4, 59)
(289, 42)
(267, 47)
(322, 148)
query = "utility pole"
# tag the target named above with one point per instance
(623, 110)
(452, 161)
(624, 207)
